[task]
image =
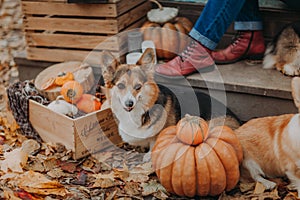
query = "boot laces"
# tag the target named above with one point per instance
(237, 38)
(187, 52)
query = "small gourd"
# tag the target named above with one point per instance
(88, 103)
(161, 14)
(63, 77)
(72, 91)
(61, 106)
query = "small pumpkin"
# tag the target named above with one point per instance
(63, 107)
(169, 38)
(192, 130)
(72, 91)
(208, 168)
(88, 103)
(63, 77)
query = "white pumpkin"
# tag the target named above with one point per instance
(63, 107)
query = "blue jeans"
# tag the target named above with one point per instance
(217, 16)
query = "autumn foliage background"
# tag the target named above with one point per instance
(32, 170)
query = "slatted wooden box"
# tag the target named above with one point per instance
(84, 135)
(58, 31)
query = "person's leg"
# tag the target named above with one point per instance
(249, 41)
(213, 22)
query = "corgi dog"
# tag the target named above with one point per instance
(271, 146)
(283, 52)
(143, 107)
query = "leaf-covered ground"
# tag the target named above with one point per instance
(30, 170)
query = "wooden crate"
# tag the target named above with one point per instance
(84, 135)
(58, 31)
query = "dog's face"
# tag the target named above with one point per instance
(131, 84)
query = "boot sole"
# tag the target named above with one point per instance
(202, 70)
(250, 57)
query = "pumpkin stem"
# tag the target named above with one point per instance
(158, 4)
(58, 98)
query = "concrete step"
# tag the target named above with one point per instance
(248, 90)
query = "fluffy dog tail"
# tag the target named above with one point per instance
(269, 58)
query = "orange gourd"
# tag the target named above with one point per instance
(192, 130)
(64, 77)
(72, 91)
(88, 103)
(208, 168)
(169, 38)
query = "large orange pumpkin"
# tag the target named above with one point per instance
(169, 38)
(206, 169)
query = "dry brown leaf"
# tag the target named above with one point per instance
(259, 188)
(152, 187)
(14, 161)
(245, 187)
(30, 146)
(56, 173)
(105, 180)
(37, 183)
(132, 188)
(9, 194)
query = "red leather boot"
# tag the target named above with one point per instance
(194, 58)
(246, 45)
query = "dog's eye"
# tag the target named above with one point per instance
(121, 86)
(137, 86)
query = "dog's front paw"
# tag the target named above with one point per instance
(290, 70)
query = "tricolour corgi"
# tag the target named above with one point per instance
(143, 107)
(271, 145)
(283, 52)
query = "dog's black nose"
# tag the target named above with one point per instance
(129, 103)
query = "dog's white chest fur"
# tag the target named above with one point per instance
(131, 128)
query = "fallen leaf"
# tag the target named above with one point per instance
(56, 173)
(37, 183)
(9, 194)
(68, 166)
(14, 160)
(30, 146)
(132, 188)
(245, 187)
(105, 180)
(152, 187)
(259, 188)
(25, 195)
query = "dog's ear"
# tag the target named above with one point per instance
(147, 61)
(108, 64)
(296, 91)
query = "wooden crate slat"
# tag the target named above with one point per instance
(71, 25)
(73, 41)
(65, 1)
(61, 55)
(134, 14)
(124, 6)
(92, 10)
(46, 8)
